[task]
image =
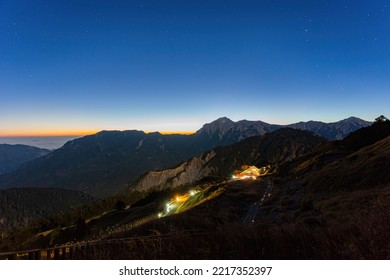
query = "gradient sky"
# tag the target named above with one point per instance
(71, 66)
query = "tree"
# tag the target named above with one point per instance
(120, 205)
(381, 118)
(81, 228)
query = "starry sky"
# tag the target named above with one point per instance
(72, 67)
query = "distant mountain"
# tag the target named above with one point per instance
(333, 131)
(19, 207)
(272, 148)
(13, 156)
(224, 131)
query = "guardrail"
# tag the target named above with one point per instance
(68, 252)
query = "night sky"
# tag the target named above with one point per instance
(70, 67)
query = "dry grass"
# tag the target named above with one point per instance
(367, 238)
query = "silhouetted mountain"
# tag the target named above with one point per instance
(361, 161)
(101, 164)
(334, 131)
(366, 169)
(21, 206)
(13, 156)
(337, 150)
(366, 136)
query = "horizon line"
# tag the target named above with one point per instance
(86, 133)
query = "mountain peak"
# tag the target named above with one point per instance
(223, 120)
(218, 127)
(353, 119)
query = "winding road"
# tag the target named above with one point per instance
(250, 217)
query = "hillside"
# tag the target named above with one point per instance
(20, 207)
(364, 169)
(13, 156)
(330, 152)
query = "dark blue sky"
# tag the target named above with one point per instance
(174, 65)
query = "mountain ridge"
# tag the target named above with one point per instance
(332, 131)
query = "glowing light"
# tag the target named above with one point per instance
(175, 202)
(251, 172)
(181, 198)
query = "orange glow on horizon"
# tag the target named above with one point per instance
(69, 133)
(60, 133)
(172, 132)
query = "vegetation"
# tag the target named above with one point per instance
(367, 239)
(22, 206)
(120, 205)
(382, 118)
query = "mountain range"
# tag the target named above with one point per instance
(321, 199)
(102, 164)
(225, 131)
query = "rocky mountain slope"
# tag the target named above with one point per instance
(272, 148)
